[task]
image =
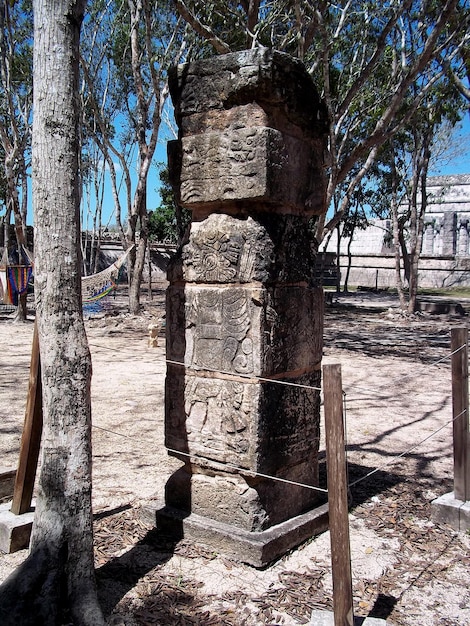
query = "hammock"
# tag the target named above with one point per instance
(97, 286)
(15, 279)
(16, 268)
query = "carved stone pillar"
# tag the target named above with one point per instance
(242, 311)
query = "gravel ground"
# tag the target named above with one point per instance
(396, 379)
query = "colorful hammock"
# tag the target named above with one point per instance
(16, 268)
(100, 285)
(15, 279)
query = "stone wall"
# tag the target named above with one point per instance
(445, 258)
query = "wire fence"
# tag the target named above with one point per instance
(251, 378)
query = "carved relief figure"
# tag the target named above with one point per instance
(221, 322)
(217, 415)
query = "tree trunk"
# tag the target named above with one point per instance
(56, 584)
(424, 155)
(137, 272)
(137, 267)
(396, 237)
(149, 283)
(338, 260)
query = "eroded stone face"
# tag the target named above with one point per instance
(244, 323)
(262, 166)
(275, 82)
(264, 248)
(252, 136)
(259, 426)
(249, 330)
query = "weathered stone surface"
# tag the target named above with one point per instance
(15, 530)
(223, 329)
(249, 168)
(253, 504)
(279, 83)
(448, 510)
(245, 330)
(327, 618)
(244, 321)
(262, 248)
(7, 482)
(258, 426)
(255, 548)
(252, 135)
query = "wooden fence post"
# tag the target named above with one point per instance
(337, 496)
(460, 413)
(31, 437)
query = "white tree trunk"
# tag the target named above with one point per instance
(57, 585)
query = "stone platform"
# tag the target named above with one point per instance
(15, 530)
(254, 548)
(326, 618)
(448, 510)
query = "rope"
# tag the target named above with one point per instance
(402, 454)
(280, 382)
(242, 470)
(410, 376)
(246, 376)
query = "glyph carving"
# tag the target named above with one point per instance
(215, 256)
(220, 327)
(225, 249)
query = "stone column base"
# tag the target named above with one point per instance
(327, 618)
(254, 548)
(15, 530)
(448, 510)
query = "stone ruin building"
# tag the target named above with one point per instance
(242, 310)
(445, 253)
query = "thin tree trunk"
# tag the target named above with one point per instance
(421, 177)
(396, 238)
(149, 284)
(56, 584)
(338, 258)
(414, 223)
(348, 268)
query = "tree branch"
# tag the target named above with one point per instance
(201, 29)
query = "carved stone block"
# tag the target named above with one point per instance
(262, 167)
(259, 426)
(253, 504)
(253, 135)
(276, 81)
(245, 330)
(226, 249)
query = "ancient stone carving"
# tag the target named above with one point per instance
(244, 320)
(262, 166)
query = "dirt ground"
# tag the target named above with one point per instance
(396, 378)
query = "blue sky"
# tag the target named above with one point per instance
(458, 164)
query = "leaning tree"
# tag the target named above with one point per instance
(56, 584)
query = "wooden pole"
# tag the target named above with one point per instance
(31, 437)
(460, 413)
(337, 497)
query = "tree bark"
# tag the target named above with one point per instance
(56, 584)
(397, 232)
